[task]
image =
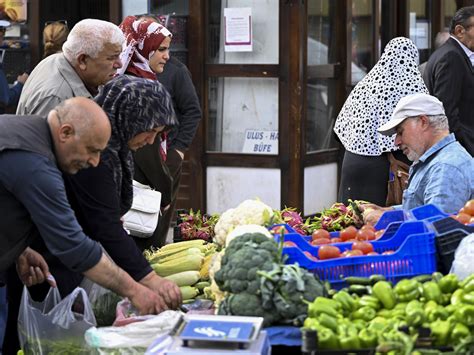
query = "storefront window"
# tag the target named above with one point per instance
(450, 9)
(420, 26)
(243, 115)
(264, 29)
(178, 7)
(320, 92)
(362, 38)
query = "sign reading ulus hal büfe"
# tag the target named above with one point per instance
(260, 142)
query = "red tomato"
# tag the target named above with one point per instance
(348, 233)
(388, 252)
(469, 207)
(320, 241)
(289, 244)
(368, 226)
(365, 234)
(336, 240)
(354, 253)
(328, 252)
(372, 253)
(463, 218)
(364, 247)
(320, 233)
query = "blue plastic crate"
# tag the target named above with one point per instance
(380, 245)
(448, 224)
(390, 217)
(416, 256)
(429, 211)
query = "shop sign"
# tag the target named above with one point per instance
(238, 29)
(260, 142)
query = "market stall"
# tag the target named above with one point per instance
(255, 279)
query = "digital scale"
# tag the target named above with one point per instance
(207, 334)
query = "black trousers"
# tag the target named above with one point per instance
(364, 178)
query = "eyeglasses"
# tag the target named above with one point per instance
(63, 22)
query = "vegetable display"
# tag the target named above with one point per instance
(195, 225)
(391, 318)
(256, 282)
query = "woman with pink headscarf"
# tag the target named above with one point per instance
(145, 54)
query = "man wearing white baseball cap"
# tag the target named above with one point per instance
(442, 172)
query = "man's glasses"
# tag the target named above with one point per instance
(63, 22)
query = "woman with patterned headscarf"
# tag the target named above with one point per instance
(145, 54)
(138, 110)
(365, 169)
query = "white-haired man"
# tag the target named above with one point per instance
(90, 58)
(442, 172)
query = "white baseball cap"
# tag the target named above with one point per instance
(412, 106)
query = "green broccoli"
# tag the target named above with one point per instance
(246, 304)
(242, 258)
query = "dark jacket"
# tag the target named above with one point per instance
(32, 197)
(177, 80)
(449, 75)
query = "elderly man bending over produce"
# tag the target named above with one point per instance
(442, 172)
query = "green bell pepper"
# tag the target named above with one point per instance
(359, 324)
(348, 337)
(407, 290)
(440, 330)
(368, 338)
(450, 308)
(369, 301)
(468, 283)
(456, 297)
(327, 321)
(346, 301)
(415, 315)
(465, 314)
(432, 292)
(385, 294)
(366, 313)
(323, 305)
(327, 339)
(311, 323)
(458, 333)
(449, 283)
(467, 298)
(438, 313)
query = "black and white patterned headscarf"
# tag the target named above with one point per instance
(133, 105)
(371, 102)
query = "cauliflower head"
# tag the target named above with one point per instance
(248, 212)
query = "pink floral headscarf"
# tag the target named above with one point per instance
(143, 37)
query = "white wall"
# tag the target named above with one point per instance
(320, 187)
(228, 186)
(134, 7)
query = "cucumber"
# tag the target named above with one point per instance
(353, 280)
(360, 289)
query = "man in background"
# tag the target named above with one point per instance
(449, 75)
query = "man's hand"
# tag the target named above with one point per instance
(147, 301)
(166, 289)
(371, 213)
(32, 269)
(22, 78)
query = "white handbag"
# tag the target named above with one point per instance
(142, 218)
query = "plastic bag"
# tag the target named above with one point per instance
(126, 313)
(462, 265)
(132, 338)
(51, 326)
(104, 302)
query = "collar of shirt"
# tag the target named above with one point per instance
(469, 53)
(437, 146)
